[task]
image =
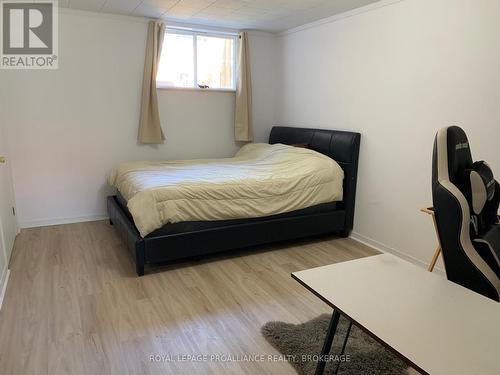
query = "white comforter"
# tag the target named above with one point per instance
(261, 180)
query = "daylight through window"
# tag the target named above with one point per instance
(197, 60)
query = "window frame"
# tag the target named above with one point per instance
(195, 33)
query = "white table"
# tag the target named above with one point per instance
(435, 325)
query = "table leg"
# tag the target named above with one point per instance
(327, 345)
(343, 347)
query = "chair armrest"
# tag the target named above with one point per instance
(429, 210)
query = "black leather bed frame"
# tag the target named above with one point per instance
(198, 238)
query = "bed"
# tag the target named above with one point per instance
(183, 229)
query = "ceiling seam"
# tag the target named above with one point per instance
(168, 10)
(137, 6)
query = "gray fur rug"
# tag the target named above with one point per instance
(363, 355)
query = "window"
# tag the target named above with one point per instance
(197, 60)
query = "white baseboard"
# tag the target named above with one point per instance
(387, 249)
(3, 285)
(58, 221)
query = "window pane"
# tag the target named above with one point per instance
(215, 62)
(177, 61)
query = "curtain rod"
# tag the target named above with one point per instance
(201, 30)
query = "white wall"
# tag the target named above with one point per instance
(397, 74)
(70, 127)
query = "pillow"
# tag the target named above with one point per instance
(483, 195)
(482, 185)
(301, 145)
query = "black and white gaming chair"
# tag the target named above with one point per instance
(466, 199)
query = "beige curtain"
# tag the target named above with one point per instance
(243, 108)
(149, 124)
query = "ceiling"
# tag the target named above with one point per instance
(267, 15)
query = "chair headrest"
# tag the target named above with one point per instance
(452, 147)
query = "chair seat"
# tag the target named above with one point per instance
(493, 235)
(491, 247)
(493, 238)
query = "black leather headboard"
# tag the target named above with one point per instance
(341, 146)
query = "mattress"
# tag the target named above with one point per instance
(194, 226)
(261, 180)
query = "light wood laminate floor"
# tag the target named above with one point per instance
(74, 305)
